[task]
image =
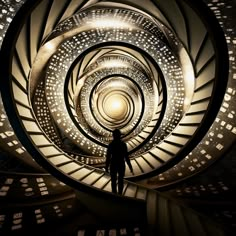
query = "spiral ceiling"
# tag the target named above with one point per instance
(72, 71)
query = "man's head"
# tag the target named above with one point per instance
(116, 134)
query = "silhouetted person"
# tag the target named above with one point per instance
(117, 154)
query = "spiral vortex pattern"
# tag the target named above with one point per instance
(109, 65)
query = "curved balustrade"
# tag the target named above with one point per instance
(78, 69)
(190, 79)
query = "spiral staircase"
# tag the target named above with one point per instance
(163, 72)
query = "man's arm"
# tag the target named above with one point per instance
(108, 158)
(127, 159)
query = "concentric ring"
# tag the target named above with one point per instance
(160, 121)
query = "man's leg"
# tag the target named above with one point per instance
(121, 173)
(113, 173)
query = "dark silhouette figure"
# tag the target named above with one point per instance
(117, 154)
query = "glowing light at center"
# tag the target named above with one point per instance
(115, 107)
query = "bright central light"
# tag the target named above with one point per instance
(115, 107)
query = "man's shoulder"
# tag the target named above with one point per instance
(123, 143)
(117, 143)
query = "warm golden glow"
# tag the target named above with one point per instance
(115, 107)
